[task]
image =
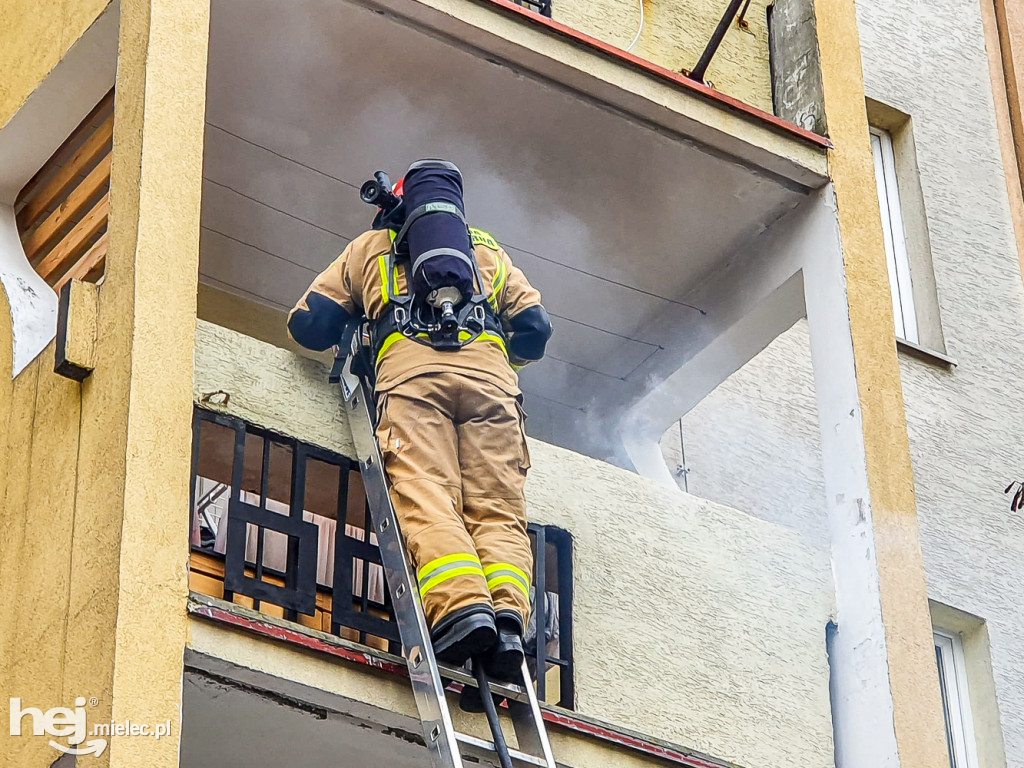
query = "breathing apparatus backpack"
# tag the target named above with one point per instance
(445, 307)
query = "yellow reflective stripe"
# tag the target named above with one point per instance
(388, 342)
(463, 335)
(506, 573)
(507, 567)
(448, 567)
(383, 261)
(513, 580)
(469, 570)
(495, 338)
(427, 569)
(498, 283)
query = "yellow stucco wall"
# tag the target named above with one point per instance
(920, 730)
(40, 415)
(39, 420)
(34, 36)
(674, 35)
(94, 542)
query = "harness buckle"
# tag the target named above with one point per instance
(476, 321)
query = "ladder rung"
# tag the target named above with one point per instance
(515, 754)
(502, 690)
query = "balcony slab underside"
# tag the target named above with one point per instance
(618, 207)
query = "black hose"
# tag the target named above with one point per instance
(500, 745)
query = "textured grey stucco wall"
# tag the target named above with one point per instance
(964, 438)
(753, 443)
(928, 60)
(693, 622)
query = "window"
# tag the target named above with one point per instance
(956, 705)
(895, 237)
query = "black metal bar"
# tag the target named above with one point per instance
(340, 555)
(498, 735)
(296, 508)
(567, 684)
(364, 586)
(265, 472)
(364, 592)
(197, 425)
(540, 602)
(237, 473)
(301, 597)
(260, 533)
(742, 18)
(724, 23)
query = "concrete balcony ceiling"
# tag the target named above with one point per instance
(227, 725)
(616, 207)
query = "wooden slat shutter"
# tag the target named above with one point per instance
(62, 212)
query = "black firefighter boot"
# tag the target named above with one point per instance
(463, 634)
(504, 662)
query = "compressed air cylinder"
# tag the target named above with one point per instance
(438, 241)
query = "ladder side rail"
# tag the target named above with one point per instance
(438, 729)
(531, 733)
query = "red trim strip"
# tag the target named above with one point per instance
(266, 629)
(666, 74)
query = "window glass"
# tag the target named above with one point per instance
(895, 240)
(949, 656)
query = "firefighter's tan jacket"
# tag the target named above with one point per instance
(357, 281)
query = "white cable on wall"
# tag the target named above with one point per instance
(639, 29)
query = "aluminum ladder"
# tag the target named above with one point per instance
(352, 369)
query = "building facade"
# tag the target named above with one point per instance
(944, 112)
(833, 584)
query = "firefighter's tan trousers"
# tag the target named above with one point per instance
(455, 450)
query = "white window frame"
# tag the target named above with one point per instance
(952, 669)
(897, 258)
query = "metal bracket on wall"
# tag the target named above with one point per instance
(701, 68)
(75, 349)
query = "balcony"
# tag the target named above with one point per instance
(682, 622)
(676, 229)
(674, 232)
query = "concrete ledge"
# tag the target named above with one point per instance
(666, 100)
(254, 622)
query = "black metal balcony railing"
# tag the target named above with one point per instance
(543, 7)
(284, 524)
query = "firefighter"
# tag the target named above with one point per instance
(452, 321)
